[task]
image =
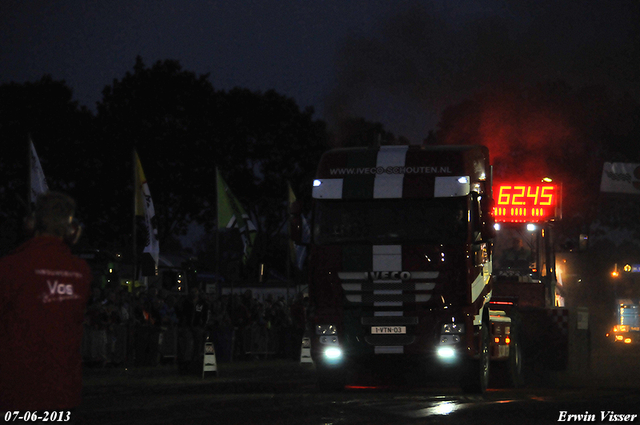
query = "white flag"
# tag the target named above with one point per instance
(620, 177)
(38, 182)
(144, 207)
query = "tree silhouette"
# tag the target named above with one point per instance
(61, 130)
(266, 141)
(354, 132)
(183, 129)
(166, 114)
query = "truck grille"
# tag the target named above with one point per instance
(385, 298)
(359, 289)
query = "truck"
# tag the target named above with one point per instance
(627, 327)
(526, 282)
(400, 266)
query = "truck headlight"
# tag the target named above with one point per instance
(332, 355)
(446, 353)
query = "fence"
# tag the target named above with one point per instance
(142, 345)
(146, 345)
(259, 341)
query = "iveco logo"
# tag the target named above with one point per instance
(388, 275)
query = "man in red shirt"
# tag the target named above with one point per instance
(43, 295)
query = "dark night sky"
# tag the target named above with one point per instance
(397, 62)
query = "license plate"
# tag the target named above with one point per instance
(388, 329)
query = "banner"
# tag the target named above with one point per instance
(144, 207)
(231, 214)
(620, 177)
(38, 181)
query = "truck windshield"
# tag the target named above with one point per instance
(382, 221)
(629, 315)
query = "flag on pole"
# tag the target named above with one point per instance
(144, 208)
(231, 214)
(620, 177)
(299, 252)
(38, 181)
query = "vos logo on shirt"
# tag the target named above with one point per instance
(59, 291)
(59, 288)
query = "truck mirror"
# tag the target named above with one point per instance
(295, 222)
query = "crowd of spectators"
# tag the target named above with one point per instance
(151, 326)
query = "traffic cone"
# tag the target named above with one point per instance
(305, 350)
(209, 364)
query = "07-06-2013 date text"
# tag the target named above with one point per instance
(43, 416)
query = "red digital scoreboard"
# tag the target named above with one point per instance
(526, 202)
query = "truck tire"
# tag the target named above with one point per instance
(509, 373)
(330, 379)
(475, 377)
(516, 371)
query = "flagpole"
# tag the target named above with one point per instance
(231, 214)
(218, 257)
(231, 301)
(133, 229)
(288, 241)
(29, 166)
(217, 236)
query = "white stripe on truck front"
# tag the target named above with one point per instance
(386, 258)
(451, 186)
(327, 189)
(390, 185)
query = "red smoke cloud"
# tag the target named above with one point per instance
(523, 143)
(532, 134)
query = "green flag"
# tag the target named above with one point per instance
(231, 214)
(292, 248)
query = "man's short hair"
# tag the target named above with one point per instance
(53, 212)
